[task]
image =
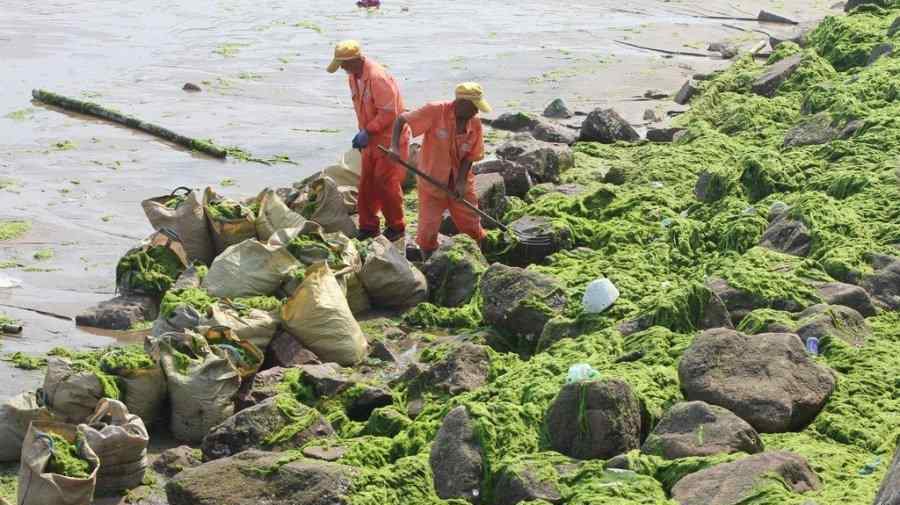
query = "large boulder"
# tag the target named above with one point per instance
(256, 478)
(545, 161)
(816, 130)
(836, 321)
(548, 131)
(286, 351)
(788, 236)
(663, 135)
(172, 461)
(119, 313)
(453, 272)
(525, 484)
(768, 83)
(490, 191)
(883, 284)
(687, 92)
(558, 109)
(275, 424)
(516, 179)
(258, 388)
(544, 238)
(325, 380)
(367, 399)
(889, 492)
(607, 126)
(514, 121)
(711, 186)
(739, 303)
(700, 429)
(768, 379)
(595, 420)
(465, 368)
(456, 459)
(520, 301)
(732, 483)
(855, 297)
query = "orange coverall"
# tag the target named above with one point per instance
(443, 150)
(376, 98)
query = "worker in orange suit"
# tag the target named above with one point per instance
(376, 98)
(453, 142)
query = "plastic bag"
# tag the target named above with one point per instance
(318, 316)
(15, 416)
(182, 212)
(599, 296)
(389, 278)
(274, 215)
(581, 372)
(119, 440)
(227, 230)
(37, 484)
(250, 268)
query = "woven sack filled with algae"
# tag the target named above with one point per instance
(58, 466)
(182, 212)
(141, 380)
(73, 386)
(230, 222)
(152, 267)
(120, 439)
(16, 414)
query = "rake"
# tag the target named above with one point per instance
(523, 238)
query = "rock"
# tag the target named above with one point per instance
(594, 420)
(516, 179)
(663, 134)
(883, 285)
(333, 453)
(464, 369)
(524, 485)
(767, 379)
(655, 94)
(715, 314)
(889, 492)
(652, 116)
(848, 295)
(894, 28)
(726, 50)
(546, 188)
(326, 380)
(548, 239)
(700, 429)
(835, 321)
(770, 17)
(711, 186)
(543, 160)
(190, 278)
(286, 351)
(176, 459)
(549, 131)
(455, 458)
(514, 121)
(260, 387)
(558, 109)
(520, 301)
(119, 313)
(453, 272)
(490, 190)
(738, 303)
(237, 480)
(768, 83)
(813, 131)
(607, 126)
(369, 399)
(687, 92)
(852, 4)
(189, 86)
(386, 422)
(253, 428)
(797, 36)
(788, 236)
(731, 483)
(383, 351)
(879, 51)
(852, 128)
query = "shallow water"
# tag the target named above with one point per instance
(79, 181)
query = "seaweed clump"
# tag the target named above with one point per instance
(152, 271)
(65, 459)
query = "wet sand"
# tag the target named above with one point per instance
(80, 181)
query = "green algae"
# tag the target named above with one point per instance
(300, 418)
(43, 254)
(266, 303)
(197, 298)
(427, 315)
(226, 209)
(123, 359)
(26, 362)
(10, 230)
(151, 271)
(65, 459)
(9, 480)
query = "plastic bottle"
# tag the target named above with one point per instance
(812, 346)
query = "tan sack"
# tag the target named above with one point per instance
(245, 356)
(15, 416)
(389, 278)
(326, 205)
(317, 314)
(119, 439)
(250, 268)
(143, 390)
(182, 212)
(274, 215)
(257, 327)
(37, 484)
(70, 394)
(227, 230)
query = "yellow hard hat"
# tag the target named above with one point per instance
(344, 51)
(473, 92)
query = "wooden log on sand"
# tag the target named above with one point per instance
(95, 110)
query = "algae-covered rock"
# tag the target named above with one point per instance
(545, 237)
(737, 482)
(889, 492)
(545, 161)
(663, 134)
(276, 424)
(712, 185)
(465, 368)
(454, 271)
(326, 380)
(525, 485)
(285, 351)
(835, 321)
(879, 51)
(172, 461)
(520, 301)
(260, 387)
(119, 313)
(855, 297)
(456, 459)
(255, 477)
(688, 90)
(594, 420)
(768, 83)
(608, 127)
(737, 302)
(548, 131)
(514, 121)
(516, 179)
(819, 129)
(883, 285)
(700, 429)
(894, 28)
(768, 379)
(788, 236)
(558, 109)
(366, 399)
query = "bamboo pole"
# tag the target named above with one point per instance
(95, 110)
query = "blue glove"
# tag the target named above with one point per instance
(361, 140)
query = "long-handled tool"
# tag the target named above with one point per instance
(538, 241)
